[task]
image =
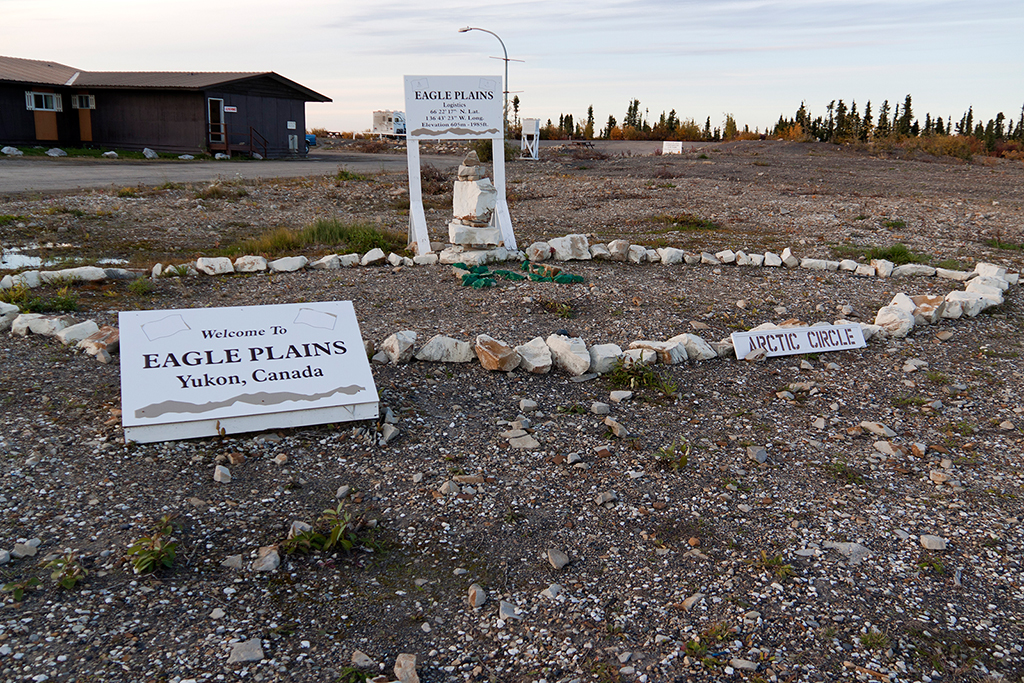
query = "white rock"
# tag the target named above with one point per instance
(928, 309)
(954, 275)
(726, 256)
(756, 260)
(652, 256)
(709, 259)
(600, 252)
(374, 256)
(903, 301)
(220, 156)
(896, 321)
(267, 559)
(405, 669)
(11, 151)
(571, 248)
(361, 660)
(535, 356)
(477, 596)
(56, 152)
(691, 259)
(474, 199)
(788, 259)
(218, 265)
(6, 282)
(603, 357)
(640, 356)
(990, 270)
(109, 155)
(186, 157)
(813, 264)
(150, 154)
(883, 268)
(552, 591)
(328, 262)
(468, 236)
(865, 270)
(557, 558)
(848, 264)
(8, 312)
(442, 349)
(395, 260)
(288, 264)
(425, 259)
(222, 474)
(506, 611)
(696, 347)
(495, 354)
(43, 325)
(539, 251)
(913, 270)
(669, 352)
(772, 260)
(399, 346)
(569, 353)
(76, 333)
(600, 408)
(742, 259)
(620, 395)
(618, 250)
(877, 428)
(247, 650)
(256, 264)
(929, 542)
(636, 254)
(670, 255)
(967, 304)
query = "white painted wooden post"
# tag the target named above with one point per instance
(417, 218)
(501, 207)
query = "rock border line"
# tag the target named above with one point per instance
(984, 289)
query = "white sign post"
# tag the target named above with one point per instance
(787, 341)
(454, 108)
(200, 372)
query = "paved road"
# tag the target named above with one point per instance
(44, 174)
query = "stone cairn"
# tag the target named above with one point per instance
(473, 203)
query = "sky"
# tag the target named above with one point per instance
(754, 59)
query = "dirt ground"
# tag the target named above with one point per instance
(701, 564)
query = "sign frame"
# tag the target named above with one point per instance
(201, 372)
(420, 91)
(789, 341)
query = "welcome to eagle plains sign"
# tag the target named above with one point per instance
(190, 373)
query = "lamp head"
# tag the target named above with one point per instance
(465, 28)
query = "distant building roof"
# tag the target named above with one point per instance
(51, 73)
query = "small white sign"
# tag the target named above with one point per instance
(453, 107)
(190, 373)
(787, 341)
(291, 125)
(671, 147)
(230, 110)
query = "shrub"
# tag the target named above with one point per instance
(155, 551)
(897, 253)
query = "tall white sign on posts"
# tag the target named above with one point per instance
(198, 372)
(454, 108)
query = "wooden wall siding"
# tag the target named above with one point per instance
(268, 115)
(17, 124)
(260, 87)
(164, 120)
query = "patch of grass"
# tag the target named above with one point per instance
(350, 674)
(936, 377)
(629, 375)
(345, 175)
(997, 243)
(360, 237)
(844, 473)
(54, 210)
(128, 192)
(962, 427)
(903, 401)
(897, 224)
(334, 529)
(675, 456)
(930, 563)
(773, 564)
(874, 640)
(7, 219)
(952, 264)
(140, 287)
(64, 301)
(155, 551)
(686, 222)
(897, 253)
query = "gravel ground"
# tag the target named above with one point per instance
(698, 564)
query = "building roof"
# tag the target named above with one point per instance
(32, 71)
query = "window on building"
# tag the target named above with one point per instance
(83, 101)
(43, 101)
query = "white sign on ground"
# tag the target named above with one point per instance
(786, 341)
(671, 147)
(454, 108)
(199, 372)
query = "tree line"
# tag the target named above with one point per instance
(841, 123)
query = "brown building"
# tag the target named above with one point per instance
(186, 112)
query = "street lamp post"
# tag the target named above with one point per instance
(504, 104)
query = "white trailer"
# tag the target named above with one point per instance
(388, 123)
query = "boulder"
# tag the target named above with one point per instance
(109, 155)
(619, 250)
(474, 200)
(538, 251)
(442, 349)
(896, 321)
(11, 151)
(652, 256)
(913, 269)
(978, 286)
(696, 347)
(709, 259)
(954, 275)
(570, 248)
(990, 270)
(353, 260)
(8, 312)
(788, 259)
(43, 325)
(569, 354)
(865, 270)
(669, 352)
(600, 252)
(964, 304)
(726, 256)
(469, 236)
(636, 254)
(106, 339)
(150, 154)
(772, 260)
(424, 259)
(399, 346)
(814, 264)
(848, 265)
(288, 264)
(639, 356)
(374, 256)
(928, 308)
(883, 268)
(56, 152)
(329, 262)
(670, 255)
(495, 354)
(603, 357)
(535, 356)
(76, 333)
(219, 265)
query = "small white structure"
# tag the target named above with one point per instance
(671, 147)
(388, 122)
(530, 142)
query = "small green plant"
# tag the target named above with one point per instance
(573, 409)
(17, 588)
(341, 531)
(629, 375)
(221, 191)
(907, 400)
(140, 287)
(344, 175)
(683, 221)
(874, 640)
(64, 301)
(897, 253)
(936, 377)
(562, 309)
(7, 219)
(155, 551)
(128, 192)
(928, 562)
(303, 542)
(350, 674)
(773, 564)
(67, 570)
(897, 224)
(675, 456)
(180, 270)
(997, 243)
(843, 472)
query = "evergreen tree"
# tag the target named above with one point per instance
(866, 125)
(632, 119)
(607, 132)
(928, 124)
(588, 130)
(939, 129)
(515, 109)
(707, 129)
(883, 120)
(906, 120)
